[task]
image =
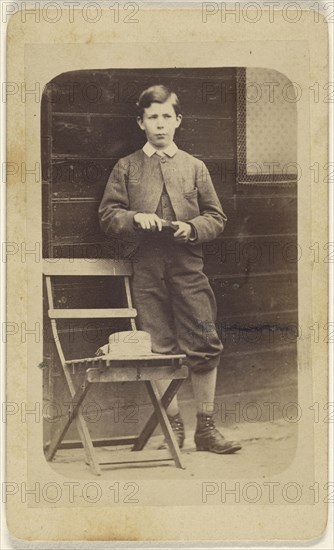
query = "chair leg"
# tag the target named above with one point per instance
(76, 415)
(161, 415)
(152, 422)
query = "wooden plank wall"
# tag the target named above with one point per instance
(88, 123)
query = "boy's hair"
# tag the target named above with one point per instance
(157, 94)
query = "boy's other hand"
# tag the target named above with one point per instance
(148, 222)
(183, 233)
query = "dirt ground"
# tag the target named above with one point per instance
(267, 449)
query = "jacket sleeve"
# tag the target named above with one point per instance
(212, 219)
(115, 215)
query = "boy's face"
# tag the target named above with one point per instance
(159, 123)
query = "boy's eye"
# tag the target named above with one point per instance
(153, 117)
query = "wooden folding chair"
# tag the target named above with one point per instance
(104, 370)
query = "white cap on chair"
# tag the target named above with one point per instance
(130, 343)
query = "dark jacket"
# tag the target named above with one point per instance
(136, 183)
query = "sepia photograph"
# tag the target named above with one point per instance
(170, 211)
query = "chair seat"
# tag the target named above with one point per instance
(152, 360)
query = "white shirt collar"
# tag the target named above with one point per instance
(149, 150)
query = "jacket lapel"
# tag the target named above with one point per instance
(150, 184)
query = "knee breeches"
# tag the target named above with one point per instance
(176, 305)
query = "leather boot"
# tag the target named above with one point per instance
(177, 425)
(208, 438)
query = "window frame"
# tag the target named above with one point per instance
(245, 179)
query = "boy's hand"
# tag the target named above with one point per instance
(183, 233)
(148, 222)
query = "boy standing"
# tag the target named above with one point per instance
(164, 199)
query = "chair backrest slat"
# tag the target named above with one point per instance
(86, 267)
(104, 313)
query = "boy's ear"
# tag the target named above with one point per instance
(140, 123)
(178, 120)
